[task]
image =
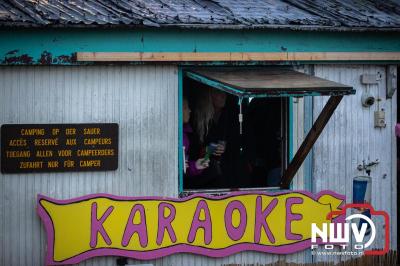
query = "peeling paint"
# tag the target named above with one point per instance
(36, 46)
(45, 58)
(12, 52)
(18, 60)
(66, 59)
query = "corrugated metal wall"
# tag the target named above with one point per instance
(350, 138)
(144, 101)
(141, 99)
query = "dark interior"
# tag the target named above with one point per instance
(251, 159)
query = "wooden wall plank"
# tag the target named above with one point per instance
(235, 56)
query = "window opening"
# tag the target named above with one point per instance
(253, 133)
(219, 118)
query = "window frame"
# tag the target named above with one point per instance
(308, 87)
(286, 127)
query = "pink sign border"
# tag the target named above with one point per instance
(180, 248)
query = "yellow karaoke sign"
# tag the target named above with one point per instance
(153, 227)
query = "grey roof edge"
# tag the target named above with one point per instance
(204, 26)
(287, 27)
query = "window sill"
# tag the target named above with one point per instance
(224, 191)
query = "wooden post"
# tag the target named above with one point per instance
(309, 141)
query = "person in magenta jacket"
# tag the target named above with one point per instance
(192, 167)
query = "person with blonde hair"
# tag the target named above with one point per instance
(214, 125)
(207, 114)
(192, 167)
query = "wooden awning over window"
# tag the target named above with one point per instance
(267, 82)
(278, 82)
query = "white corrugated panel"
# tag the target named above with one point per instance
(298, 180)
(350, 137)
(143, 100)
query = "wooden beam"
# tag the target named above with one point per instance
(235, 56)
(309, 141)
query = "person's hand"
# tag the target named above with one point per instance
(202, 163)
(219, 150)
(186, 164)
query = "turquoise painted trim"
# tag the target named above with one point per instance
(180, 130)
(285, 94)
(290, 133)
(281, 63)
(215, 84)
(234, 91)
(290, 129)
(308, 163)
(56, 46)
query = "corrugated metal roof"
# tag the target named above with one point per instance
(300, 14)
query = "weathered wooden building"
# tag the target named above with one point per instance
(125, 62)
